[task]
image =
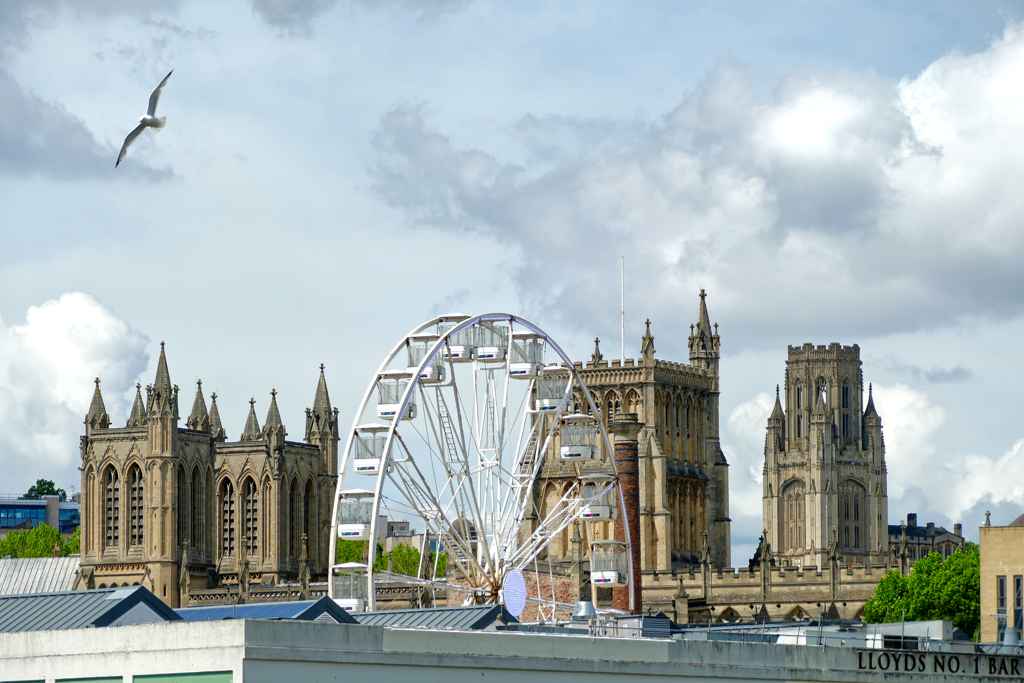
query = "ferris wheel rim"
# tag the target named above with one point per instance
(461, 322)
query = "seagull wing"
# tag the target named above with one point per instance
(155, 97)
(128, 141)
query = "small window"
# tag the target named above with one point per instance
(856, 537)
(1001, 593)
(799, 398)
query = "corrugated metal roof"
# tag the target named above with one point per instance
(308, 610)
(76, 609)
(37, 574)
(471, 618)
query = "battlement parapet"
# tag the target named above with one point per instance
(833, 351)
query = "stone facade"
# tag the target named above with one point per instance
(824, 462)
(922, 540)
(181, 509)
(1002, 579)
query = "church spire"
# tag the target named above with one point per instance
(869, 410)
(137, 418)
(199, 419)
(647, 347)
(97, 417)
(778, 413)
(162, 383)
(819, 404)
(321, 400)
(273, 428)
(273, 415)
(252, 425)
(216, 428)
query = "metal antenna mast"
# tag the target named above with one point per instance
(622, 312)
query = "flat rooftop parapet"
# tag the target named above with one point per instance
(259, 650)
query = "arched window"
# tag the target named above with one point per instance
(111, 508)
(792, 516)
(846, 395)
(182, 497)
(294, 526)
(799, 397)
(266, 523)
(136, 500)
(198, 510)
(309, 516)
(250, 515)
(227, 518)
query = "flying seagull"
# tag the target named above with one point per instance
(148, 121)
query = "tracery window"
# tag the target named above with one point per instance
(227, 518)
(198, 510)
(793, 506)
(112, 508)
(136, 490)
(294, 525)
(182, 497)
(250, 512)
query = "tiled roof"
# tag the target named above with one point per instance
(80, 609)
(37, 574)
(469, 618)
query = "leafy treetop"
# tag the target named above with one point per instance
(44, 487)
(936, 588)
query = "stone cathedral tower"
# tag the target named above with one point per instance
(824, 461)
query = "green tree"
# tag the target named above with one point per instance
(44, 487)
(38, 542)
(404, 559)
(936, 588)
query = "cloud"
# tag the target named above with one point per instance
(936, 375)
(879, 206)
(296, 17)
(46, 369)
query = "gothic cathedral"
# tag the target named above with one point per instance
(684, 481)
(170, 508)
(824, 462)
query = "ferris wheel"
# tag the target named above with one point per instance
(452, 432)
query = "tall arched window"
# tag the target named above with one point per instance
(182, 498)
(294, 524)
(227, 518)
(309, 516)
(265, 526)
(136, 490)
(792, 502)
(198, 509)
(250, 515)
(111, 508)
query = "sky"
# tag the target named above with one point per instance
(333, 173)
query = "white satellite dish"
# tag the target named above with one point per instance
(513, 593)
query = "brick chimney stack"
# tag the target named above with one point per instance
(625, 427)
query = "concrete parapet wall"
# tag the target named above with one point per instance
(256, 651)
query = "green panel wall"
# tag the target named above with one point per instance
(108, 679)
(198, 677)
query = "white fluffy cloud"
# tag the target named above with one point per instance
(47, 365)
(859, 204)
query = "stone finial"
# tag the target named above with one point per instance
(703, 294)
(988, 521)
(597, 356)
(321, 367)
